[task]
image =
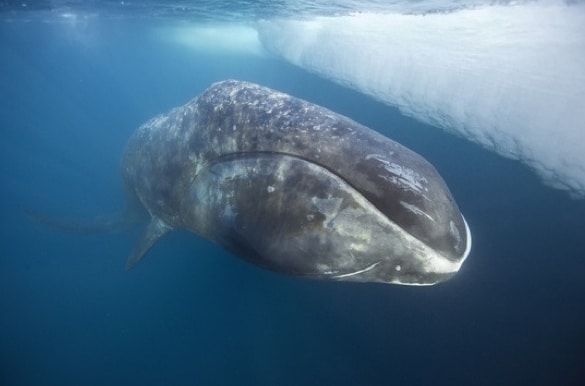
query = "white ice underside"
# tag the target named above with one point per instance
(511, 78)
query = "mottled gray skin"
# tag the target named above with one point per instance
(295, 188)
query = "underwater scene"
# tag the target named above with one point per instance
(348, 192)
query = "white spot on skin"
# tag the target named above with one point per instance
(455, 232)
(270, 189)
(398, 267)
(329, 205)
(310, 217)
(400, 175)
(228, 215)
(416, 210)
(357, 272)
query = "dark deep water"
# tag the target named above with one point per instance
(191, 313)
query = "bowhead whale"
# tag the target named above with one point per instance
(295, 188)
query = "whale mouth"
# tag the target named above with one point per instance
(434, 265)
(437, 270)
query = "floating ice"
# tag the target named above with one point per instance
(511, 78)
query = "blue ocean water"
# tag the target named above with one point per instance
(71, 93)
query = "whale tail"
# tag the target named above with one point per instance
(135, 214)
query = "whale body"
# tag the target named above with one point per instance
(295, 188)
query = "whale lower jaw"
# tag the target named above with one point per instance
(437, 267)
